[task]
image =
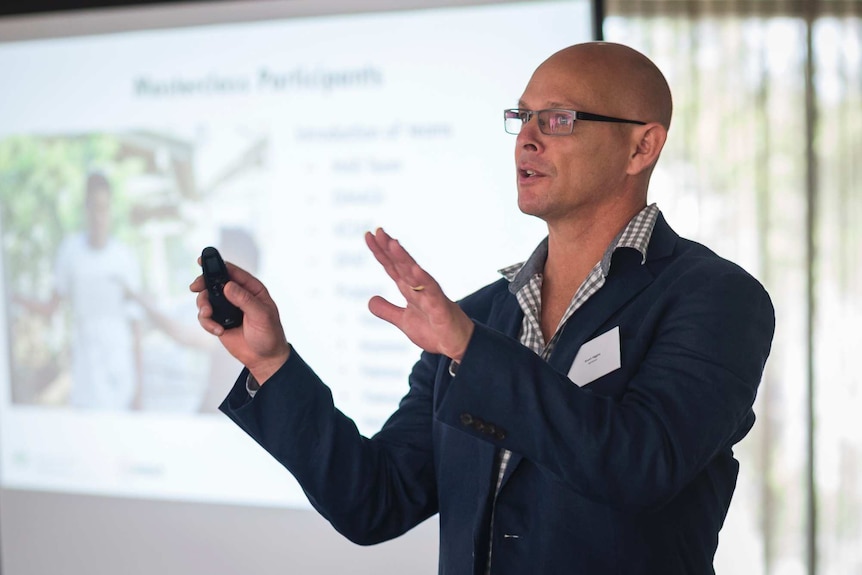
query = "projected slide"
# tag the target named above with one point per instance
(280, 143)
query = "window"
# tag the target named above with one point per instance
(764, 165)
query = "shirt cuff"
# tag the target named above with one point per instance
(453, 367)
(251, 385)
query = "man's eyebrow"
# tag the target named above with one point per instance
(550, 105)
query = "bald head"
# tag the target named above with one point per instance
(610, 79)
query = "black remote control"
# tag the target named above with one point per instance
(215, 276)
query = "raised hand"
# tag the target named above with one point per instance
(430, 319)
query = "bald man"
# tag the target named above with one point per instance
(578, 415)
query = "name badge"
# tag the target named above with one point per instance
(596, 358)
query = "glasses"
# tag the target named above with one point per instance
(554, 121)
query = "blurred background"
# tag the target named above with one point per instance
(764, 164)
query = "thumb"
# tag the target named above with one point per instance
(385, 310)
(242, 298)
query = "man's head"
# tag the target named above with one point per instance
(600, 166)
(98, 206)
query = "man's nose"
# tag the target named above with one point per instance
(530, 135)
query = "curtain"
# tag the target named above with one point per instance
(764, 165)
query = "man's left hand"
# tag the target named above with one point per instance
(430, 319)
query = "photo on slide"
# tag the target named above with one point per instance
(98, 244)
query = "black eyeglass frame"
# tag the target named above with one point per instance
(518, 113)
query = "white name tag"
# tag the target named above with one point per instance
(596, 358)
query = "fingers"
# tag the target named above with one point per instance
(399, 265)
(377, 243)
(198, 284)
(205, 312)
(430, 319)
(243, 290)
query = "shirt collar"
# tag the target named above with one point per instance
(635, 235)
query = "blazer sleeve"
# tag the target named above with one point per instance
(700, 348)
(369, 489)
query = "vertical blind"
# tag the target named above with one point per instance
(764, 165)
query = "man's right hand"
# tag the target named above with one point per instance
(259, 343)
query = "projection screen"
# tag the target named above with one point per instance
(278, 131)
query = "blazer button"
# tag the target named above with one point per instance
(466, 419)
(479, 425)
(500, 434)
(491, 429)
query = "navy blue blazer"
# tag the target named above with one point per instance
(629, 474)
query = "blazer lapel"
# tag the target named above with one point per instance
(581, 326)
(627, 278)
(506, 314)
(620, 287)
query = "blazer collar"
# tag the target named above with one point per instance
(662, 241)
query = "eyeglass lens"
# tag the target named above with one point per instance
(551, 122)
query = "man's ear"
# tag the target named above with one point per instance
(648, 144)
